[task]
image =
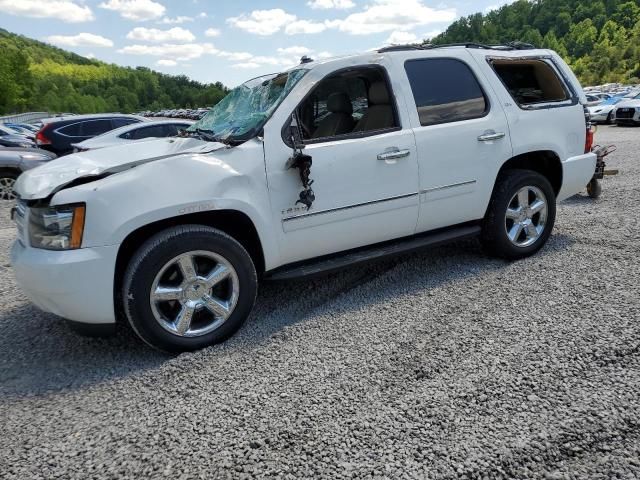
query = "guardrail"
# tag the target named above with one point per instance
(24, 117)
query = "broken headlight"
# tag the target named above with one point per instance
(56, 228)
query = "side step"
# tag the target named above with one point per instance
(367, 254)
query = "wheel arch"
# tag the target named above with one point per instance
(545, 162)
(233, 222)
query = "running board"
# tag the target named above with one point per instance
(368, 254)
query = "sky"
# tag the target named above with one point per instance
(229, 41)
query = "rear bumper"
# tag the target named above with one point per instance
(577, 172)
(76, 285)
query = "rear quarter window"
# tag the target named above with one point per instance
(531, 81)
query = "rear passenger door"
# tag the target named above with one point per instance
(461, 135)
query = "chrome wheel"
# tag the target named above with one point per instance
(6, 188)
(194, 293)
(526, 216)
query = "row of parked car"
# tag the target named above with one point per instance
(620, 109)
(191, 114)
(26, 146)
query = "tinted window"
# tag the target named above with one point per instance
(121, 122)
(148, 132)
(445, 90)
(93, 128)
(73, 130)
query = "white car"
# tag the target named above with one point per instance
(329, 164)
(627, 112)
(136, 131)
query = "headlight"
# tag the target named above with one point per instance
(57, 228)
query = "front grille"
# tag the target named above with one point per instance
(625, 113)
(19, 216)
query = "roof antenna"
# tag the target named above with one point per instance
(305, 59)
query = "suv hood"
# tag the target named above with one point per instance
(52, 177)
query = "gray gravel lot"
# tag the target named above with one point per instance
(440, 365)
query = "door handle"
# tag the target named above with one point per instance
(491, 135)
(394, 154)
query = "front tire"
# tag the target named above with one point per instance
(521, 215)
(7, 182)
(189, 287)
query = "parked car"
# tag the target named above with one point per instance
(10, 138)
(20, 130)
(14, 161)
(136, 131)
(604, 112)
(593, 100)
(59, 134)
(326, 165)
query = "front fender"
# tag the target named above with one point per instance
(122, 203)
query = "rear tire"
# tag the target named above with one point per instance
(189, 287)
(521, 215)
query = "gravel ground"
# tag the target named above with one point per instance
(440, 365)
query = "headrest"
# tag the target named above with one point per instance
(339, 103)
(378, 94)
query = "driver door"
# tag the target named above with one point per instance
(365, 180)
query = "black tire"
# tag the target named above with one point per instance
(494, 236)
(153, 256)
(610, 120)
(7, 178)
(594, 188)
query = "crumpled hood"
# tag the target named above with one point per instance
(44, 181)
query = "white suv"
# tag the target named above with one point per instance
(326, 165)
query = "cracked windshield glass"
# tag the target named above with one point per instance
(246, 108)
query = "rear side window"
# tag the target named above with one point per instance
(531, 81)
(445, 90)
(121, 122)
(93, 128)
(73, 130)
(147, 132)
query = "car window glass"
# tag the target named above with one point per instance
(93, 128)
(121, 122)
(73, 130)
(445, 90)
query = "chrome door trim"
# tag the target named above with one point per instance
(348, 207)
(446, 187)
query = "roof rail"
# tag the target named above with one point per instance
(429, 46)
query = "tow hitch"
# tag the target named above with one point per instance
(594, 188)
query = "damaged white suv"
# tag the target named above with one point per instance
(326, 165)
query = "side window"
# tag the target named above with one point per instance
(73, 130)
(531, 81)
(445, 90)
(149, 132)
(353, 101)
(94, 128)
(121, 122)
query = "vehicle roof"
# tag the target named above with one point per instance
(91, 117)
(402, 50)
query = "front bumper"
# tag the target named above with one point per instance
(577, 172)
(76, 284)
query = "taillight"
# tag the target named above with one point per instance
(591, 130)
(41, 139)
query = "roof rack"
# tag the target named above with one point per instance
(429, 46)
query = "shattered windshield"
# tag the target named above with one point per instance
(243, 112)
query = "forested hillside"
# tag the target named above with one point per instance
(37, 76)
(599, 38)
